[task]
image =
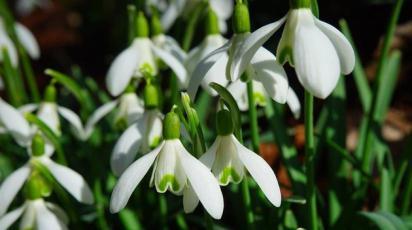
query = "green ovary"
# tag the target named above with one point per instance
(229, 174)
(169, 180)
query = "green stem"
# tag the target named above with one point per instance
(191, 26)
(250, 219)
(131, 15)
(28, 71)
(253, 117)
(310, 167)
(163, 211)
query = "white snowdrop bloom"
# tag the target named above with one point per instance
(36, 214)
(223, 9)
(262, 67)
(66, 177)
(169, 45)
(175, 169)
(229, 160)
(318, 51)
(141, 136)
(25, 37)
(139, 59)
(25, 7)
(238, 89)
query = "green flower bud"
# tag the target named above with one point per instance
(151, 96)
(37, 187)
(155, 25)
(50, 93)
(171, 126)
(296, 4)
(241, 20)
(37, 145)
(142, 26)
(224, 123)
(212, 22)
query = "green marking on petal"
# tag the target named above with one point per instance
(169, 180)
(155, 142)
(147, 69)
(121, 123)
(229, 174)
(259, 99)
(285, 55)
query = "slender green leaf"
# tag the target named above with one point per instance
(385, 220)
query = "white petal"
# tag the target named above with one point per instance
(190, 200)
(126, 147)
(97, 116)
(7, 220)
(175, 49)
(341, 44)
(15, 123)
(47, 113)
(11, 186)
(204, 67)
(293, 103)
(271, 74)
(122, 70)
(59, 212)
(170, 15)
(261, 172)
(73, 119)
(28, 108)
(239, 92)
(174, 64)
(222, 8)
(208, 158)
(29, 215)
(27, 40)
(73, 182)
(129, 180)
(244, 54)
(316, 61)
(203, 183)
(153, 132)
(11, 49)
(46, 220)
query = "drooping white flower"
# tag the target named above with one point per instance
(174, 9)
(197, 54)
(140, 59)
(262, 66)
(26, 39)
(73, 182)
(238, 90)
(174, 169)
(141, 136)
(317, 50)
(36, 214)
(25, 7)
(229, 160)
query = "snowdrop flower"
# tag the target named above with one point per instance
(142, 136)
(223, 9)
(238, 90)
(36, 214)
(66, 177)
(175, 169)
(140, 59)
(26, 39)
(25, 7)
(261, 67)
(211, 42)
(228, 159)
(318, 51)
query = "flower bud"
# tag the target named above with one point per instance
(50, 93)
(37, 145)
(296, 4)
(171, 126)
(224, 123)
(212, 22)
(142, 27)
(151, 96)
(241, 20)
(36, 187)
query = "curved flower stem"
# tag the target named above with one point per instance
(310, 164)
(250, 218)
